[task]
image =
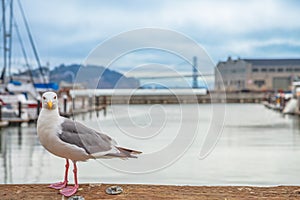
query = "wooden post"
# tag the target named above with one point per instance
(104, 100)
(90, 101)
(65, 104)
(105, 111)
(0, 111)
(83, 102)
(90, 105)
(19, 109)
(97, 101)
(73, 103)
(105, 105)
(38, 107)
(97, 105)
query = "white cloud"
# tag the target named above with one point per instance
(72, 28)
(233, 16)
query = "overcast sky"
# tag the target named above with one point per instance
(66, 31)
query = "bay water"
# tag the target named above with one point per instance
(257, 146)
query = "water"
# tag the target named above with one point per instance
(257, 147)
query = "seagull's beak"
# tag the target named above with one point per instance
(50, 104)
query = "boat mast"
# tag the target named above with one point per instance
(7, 39)
(24, 52)
(32, 42)
(4, 42)
(8, 23)
(10, 38)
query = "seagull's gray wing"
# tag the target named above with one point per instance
(91, 141)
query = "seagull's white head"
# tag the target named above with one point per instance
(49, 100)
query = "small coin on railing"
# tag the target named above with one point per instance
(114, 190)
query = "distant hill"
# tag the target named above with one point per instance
(109, 79)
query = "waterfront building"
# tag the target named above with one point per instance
(257, 74)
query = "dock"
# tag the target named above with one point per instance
(97, 191)
(164, 96)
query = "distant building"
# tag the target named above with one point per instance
(257, 74)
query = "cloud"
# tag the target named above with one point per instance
(233, 16)
(66, 31)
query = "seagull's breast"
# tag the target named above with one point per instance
(48, 128)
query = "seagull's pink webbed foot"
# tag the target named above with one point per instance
(63, 184)
(70, 190)
(59, 185)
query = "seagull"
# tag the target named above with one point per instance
(73, 141)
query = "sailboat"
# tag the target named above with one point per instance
(16, 91)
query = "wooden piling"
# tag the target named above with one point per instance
(0, 111)
(83, 102)
(65, 103)
(90, 101)
(38, 107)
(105, 100)
(97, 105)
(19, 109)
(73, 104)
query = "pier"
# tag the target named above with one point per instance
(164, 96)
(97, 191)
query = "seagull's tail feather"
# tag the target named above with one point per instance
(118, 152)
(128, 152)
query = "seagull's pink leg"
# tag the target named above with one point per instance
(70, 190)
(63, 184)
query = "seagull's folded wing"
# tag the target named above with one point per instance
(90, 140)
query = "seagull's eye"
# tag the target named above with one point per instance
(44, 98)
(54, 97)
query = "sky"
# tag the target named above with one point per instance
(68, 31)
